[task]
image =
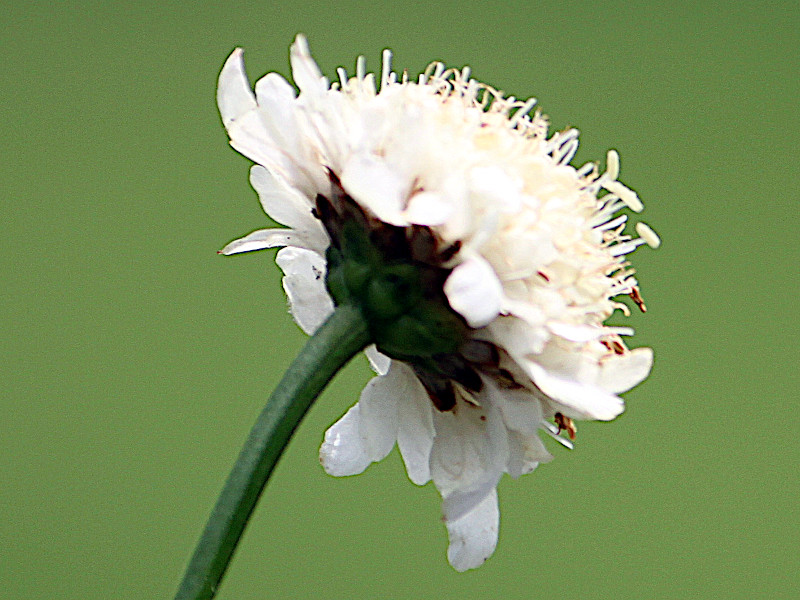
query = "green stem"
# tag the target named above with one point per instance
(342, 336)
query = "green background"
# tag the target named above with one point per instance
(134, 359)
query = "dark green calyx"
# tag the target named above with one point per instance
(395, 276)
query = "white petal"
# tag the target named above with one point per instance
(342, 452)
(264, 238)
(378, 402)
(522, 414)
(376, 187)
(234, 96)
(621, 372)
(474, 291)
(379, 362)
(576, 400)
(305, 72)
(473, 537)
(272, 88)
(282, 203)
(428, 208)
(368, 431)
(415, 431)
(286, 126)
(498, 189)
(469, 454)
(519, 337)
(575, 333)
(250, 138)
(304, 283)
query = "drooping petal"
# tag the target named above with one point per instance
(415, 430)
(234, 96)
(519, 337)
(522, 414)
(368, 431)
(474, 291)
(473, 536)
(379, 399)
(304, 283)
(342, 452)
(469, 454)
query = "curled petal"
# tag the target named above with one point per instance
(234, 96)
(264, 238)
(288, 206)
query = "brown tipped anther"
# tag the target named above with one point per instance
(636, 296)
(566, 424)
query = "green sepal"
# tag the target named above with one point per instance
(408, 317)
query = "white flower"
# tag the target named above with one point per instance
(533, 252)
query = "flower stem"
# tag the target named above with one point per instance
(342, 336)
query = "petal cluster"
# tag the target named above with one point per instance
(540, 262)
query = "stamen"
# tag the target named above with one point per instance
(612, 165)
(626, 247)
(369, 83)
(361, 68)
(553, 432)
(612, 224)
(386, 68)
(636, 296)
(566, 424)
(648, 235)
(584, 170)
(342, 77)
(620, 331)
(522, 111)
(616, 346)
(622, 307)
(627, 195)
(567, 146)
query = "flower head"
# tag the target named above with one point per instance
(484, 262)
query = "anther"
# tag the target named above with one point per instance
(636, 296)
(566, 424)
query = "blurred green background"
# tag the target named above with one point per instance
(134, 359)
